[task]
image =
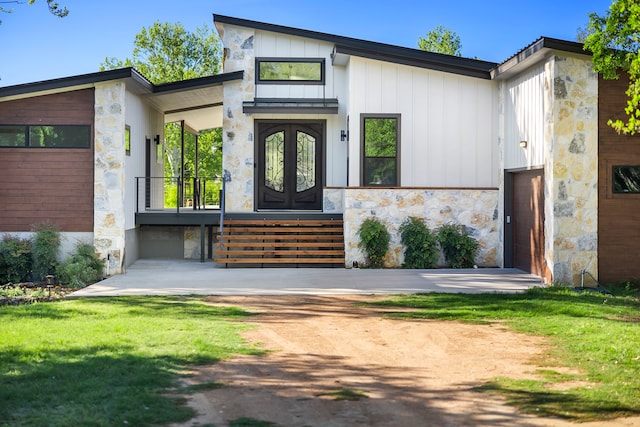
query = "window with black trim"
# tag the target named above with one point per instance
(380, 150)
(290, 71)
(626, 179)
(45, 136)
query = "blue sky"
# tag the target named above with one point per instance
(39, 46)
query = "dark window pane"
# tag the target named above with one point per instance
(62, 136)
(626, 179)
(380, 171)
(12, 136)
(310, 71)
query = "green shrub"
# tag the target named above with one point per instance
(459, 249)
(374, 239)
(82, 268)
(45, 247)
(15, 260)
(420, 244)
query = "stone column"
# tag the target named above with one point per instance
(109, 157)
(571, 168)
(237, 127)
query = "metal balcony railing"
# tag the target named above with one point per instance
(166, 193)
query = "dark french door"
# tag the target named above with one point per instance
(290, 168)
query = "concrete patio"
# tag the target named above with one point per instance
(178, 277)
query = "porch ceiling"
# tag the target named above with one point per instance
(200, 108)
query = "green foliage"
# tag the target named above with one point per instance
(166, 53)
(441, 40)
(459, 249)
(109, 361)
(45, 247)
(82, 268)
(15, 259)
(420, 244)
(613, 41)
(374, 239)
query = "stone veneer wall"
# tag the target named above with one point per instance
(475, 209)
(109, 182)
(571, 168)
(237, 148)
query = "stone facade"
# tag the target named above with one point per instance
(238, 147)
(109, 182)
(571, 168)
(477, 210)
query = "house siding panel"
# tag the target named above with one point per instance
(525, 120)
(619, 214)
(46, 184)
(445, 141)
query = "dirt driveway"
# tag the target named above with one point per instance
(411, 373)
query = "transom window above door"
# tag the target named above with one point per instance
(290, 71)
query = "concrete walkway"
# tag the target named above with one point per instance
(170, 277)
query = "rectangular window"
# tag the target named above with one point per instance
(127, 140)
(58, 136)
(380, 150)
(290, 71)
(626, 179)
(12, 136)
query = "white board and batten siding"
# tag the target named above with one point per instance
(524, 119)
(275, 45)
(145, 122)
(448, 132)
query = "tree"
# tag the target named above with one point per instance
(614, 41)
(54, 7)
(441, 40)
(166, 53)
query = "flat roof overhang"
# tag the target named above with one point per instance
(291, 106)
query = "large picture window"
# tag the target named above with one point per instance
(380, 150)
(48, 136)
(290, 71)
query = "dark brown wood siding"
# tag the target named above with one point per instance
(528, 223)
(52, 185)
(618, 214)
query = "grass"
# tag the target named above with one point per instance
(345, 394)
(108, 361)
(594, 333)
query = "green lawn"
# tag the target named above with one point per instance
(599, 335)
(108, 361)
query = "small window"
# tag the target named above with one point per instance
(290, 71)
(65, 136)
(60, 136)
(380, 150)
(13, 136)
(127, 140)
(626, 179)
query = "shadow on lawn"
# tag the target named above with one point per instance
(85, 387)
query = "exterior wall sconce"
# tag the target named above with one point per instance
(523, 144)
(344, 136)
(156, 139)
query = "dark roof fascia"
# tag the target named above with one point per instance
(291, 106)
(534, 52)
(421, 59)
(375, 50)
(198, 82)
(80, 80)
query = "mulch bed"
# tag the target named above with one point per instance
(32, 292)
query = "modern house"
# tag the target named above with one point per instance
(332, 128)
